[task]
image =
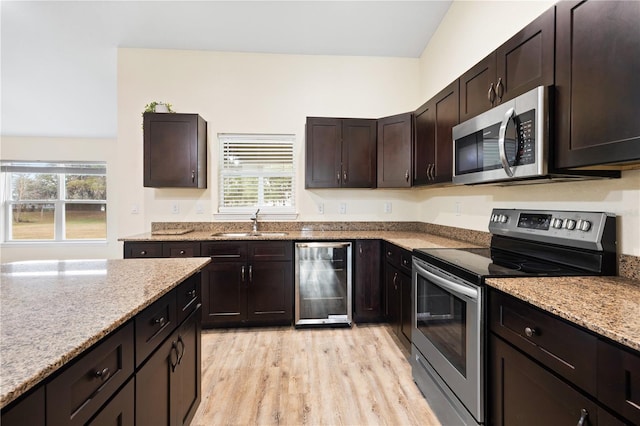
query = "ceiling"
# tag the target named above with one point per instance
(63, 53)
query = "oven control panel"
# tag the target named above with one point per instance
(579, 229)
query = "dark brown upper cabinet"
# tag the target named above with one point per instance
(522, 63)
(394, 151)
(433, 142)
(597, 84)
(340, 153)
(175, 151)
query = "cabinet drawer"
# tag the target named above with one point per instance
(405, 260)
(271, 250)
(619, 379)
(566, 349)
(181, 249)
(137, 250)
(188, 296)
(392, 254)
(154, 324)
(77, 394)
(225, 251)
(120, 410)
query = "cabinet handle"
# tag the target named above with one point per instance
(242, 272)
(181, 342)
(406, 175)
(491, 94)
(338, 176)
(529, 331)
(103, 374)
(182, 252)
(500, 88)
(395, 278)
(162, 321)
(193, 176)
(143, 253)
(430, 171)
(250, 273)
(360, 248)
(344, 176)
(583, 417)
(174, 347)
(389, 253)
(191, 293)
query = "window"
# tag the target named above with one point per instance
(54, 201)
(256, 171)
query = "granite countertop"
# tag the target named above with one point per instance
(406, 239)
(53, 310)
(609, 306)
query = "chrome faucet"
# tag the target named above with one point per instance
(254, 218)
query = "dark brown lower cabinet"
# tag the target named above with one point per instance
(120, 410)
(523, 393)
(367, 288)
(27, 411)
(168, 385)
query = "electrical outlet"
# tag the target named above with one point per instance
(320, 208)
(343, 208)
(458, 207)
(387, 207)
(199, 208)
(135, 209)
(175, 207)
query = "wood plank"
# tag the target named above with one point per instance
(331, 376)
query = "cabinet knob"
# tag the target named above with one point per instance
(530, 332)
(500, 88)
(491, 94)
(182, 252)
(193, 175)
(161, 321)
(191, 293)
(406, 175)
(103, 374)
(143, 253)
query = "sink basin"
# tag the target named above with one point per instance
(249, 234)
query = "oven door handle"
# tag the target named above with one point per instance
(451, 286)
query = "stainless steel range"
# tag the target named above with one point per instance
(448, 332)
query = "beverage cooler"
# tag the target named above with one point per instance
(323, 284)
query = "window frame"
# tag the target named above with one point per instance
(266, 211)
(60, 169)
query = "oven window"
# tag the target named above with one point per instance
(441, 318)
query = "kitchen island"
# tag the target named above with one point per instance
(53, 312)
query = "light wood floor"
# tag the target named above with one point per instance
(342, 376)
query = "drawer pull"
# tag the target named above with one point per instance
(182, 351)
(191, 293)
(143, 253)
(103, 374)
(174, 348)
(530, 332)
(162, 321)
(583, 417)
(182, 252)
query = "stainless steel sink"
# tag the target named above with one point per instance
(249, 234)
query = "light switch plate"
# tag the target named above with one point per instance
(175, 207)
(343, 208)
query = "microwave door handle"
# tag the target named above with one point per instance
(511, 112)
(451, 286)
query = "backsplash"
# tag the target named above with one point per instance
(628, 266)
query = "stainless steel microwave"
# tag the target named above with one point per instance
(508, 142)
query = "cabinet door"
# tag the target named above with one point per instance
(433, 141)
(406, 308)
(477, 88)
(358, 153)
(597, 90)
(619, 380)
(394, 151)
(323, 153)
(224, 293)
(367, 284)
(424, 143)
(186, 380)
(446, 110)
(174, 151)
(526, 60)
(392, 277)
(269, 292)
(120, 410)
(523, 393)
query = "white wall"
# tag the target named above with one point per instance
(65, 149)
(255, 93)
(462, 39)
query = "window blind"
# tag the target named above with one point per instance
(256, 171)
